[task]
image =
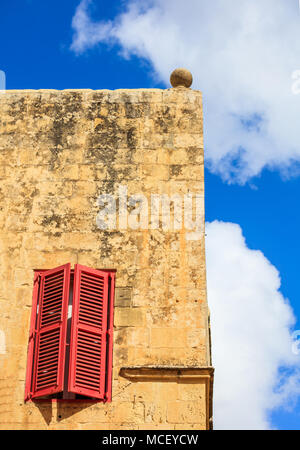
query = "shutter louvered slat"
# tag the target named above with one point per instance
(48, 369)
(50, 297)
(88, 334)
(84, 376)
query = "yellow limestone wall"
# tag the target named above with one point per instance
(59, 151)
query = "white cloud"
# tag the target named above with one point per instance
(242, 55)
(87, 33)
(256, 369)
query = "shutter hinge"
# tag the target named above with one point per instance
(37, 279)
(31, 336)
(28, 398)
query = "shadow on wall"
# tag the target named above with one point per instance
(45, 410)
(66, 410)
(57, 411)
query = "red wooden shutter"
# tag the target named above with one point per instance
(110, 326)
(28, 384)
(50, 340)
(88, 333)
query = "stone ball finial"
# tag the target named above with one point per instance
(181, 77)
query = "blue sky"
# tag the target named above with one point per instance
(35, 50)
(251, 121)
